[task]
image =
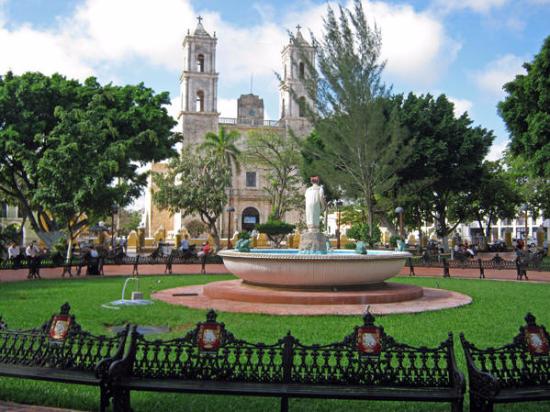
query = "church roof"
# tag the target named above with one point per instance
(199, 30)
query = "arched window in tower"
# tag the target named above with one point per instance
(302, 70)
(284, 78)
(302, 106)
(200, 63)
(200, 101)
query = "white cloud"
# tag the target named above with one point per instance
(497, 73)
(461, 105)
(496, 151)
(415, 44)
(101, 36)
(227, 108)
(118, 30)
(478, 6)
(26, 49)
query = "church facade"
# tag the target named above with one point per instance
(199, 115)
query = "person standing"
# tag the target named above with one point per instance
(14, 254)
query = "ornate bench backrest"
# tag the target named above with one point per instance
(370, 357)
(367, 356)
(524, 362)
(208, 352)
(59, 343)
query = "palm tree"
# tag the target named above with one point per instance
(223, 145)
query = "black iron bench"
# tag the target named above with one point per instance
(60, 351)
(366, 365)
(516, 372)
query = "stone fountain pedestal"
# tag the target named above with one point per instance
(313, 242)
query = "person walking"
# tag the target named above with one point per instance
(205, 251)
(33, 255)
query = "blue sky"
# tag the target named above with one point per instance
(464, 48)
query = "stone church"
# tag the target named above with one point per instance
(199, 114)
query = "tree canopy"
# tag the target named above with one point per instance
(194, 185)
(71, 149)
(279, 157)
(526, 112)
(358, 143)
(446, 161)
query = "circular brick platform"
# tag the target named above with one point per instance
(239, 291)
(194, 297)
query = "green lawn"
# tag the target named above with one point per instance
(493, 318)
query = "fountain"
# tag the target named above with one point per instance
(314, 279)
(313, 266)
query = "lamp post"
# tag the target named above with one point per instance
(524, 208)
(338, 206)
(114, 211)
(399, 210)
(229, 210)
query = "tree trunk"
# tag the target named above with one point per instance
(69, 248)
(215, 235)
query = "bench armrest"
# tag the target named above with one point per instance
(482, 383)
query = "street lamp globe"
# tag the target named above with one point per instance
(399, 210)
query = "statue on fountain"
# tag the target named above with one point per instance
(313, 241)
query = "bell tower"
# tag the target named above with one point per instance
(296, 56)
(199, 85)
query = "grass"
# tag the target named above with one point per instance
(493, 318)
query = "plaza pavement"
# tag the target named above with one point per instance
(189, 269)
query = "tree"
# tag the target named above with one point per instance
(526, 112)
(224, 146)
(69, 151)
(533, 190)
(280, 158)
(358, 143)
(195, 228)
(446, 160)
(194, 185)
(494, 198)
(128, 220)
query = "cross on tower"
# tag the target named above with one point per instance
(298, 27)
(199, 19)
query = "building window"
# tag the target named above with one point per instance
(302, 106)
(200, 101)
(4, 210)
(302, 70)
(200, 63)
(250, 179)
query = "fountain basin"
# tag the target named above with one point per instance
(336, 269)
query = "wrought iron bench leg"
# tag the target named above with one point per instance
(284, 404)
(458, 406)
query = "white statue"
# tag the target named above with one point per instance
(315, 202)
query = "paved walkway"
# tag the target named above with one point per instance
(15, 407)
(190, 269)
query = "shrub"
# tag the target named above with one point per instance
(360, 231)
(276, 230)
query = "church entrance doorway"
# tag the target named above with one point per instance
(250, 218)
